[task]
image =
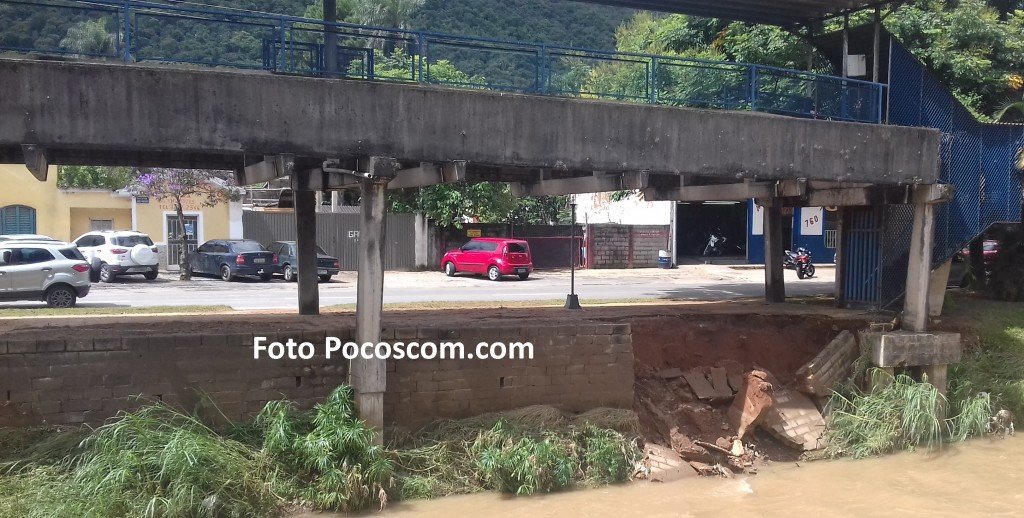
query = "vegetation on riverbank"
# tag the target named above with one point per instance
(157, 461)
(906, 414)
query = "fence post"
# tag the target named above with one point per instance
(421, 42)
(127, 30)
(542, 70)
(283, 61)
(753, 88)
(652, 81)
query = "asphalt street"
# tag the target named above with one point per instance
(691, 282)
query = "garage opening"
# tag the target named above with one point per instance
(696, 223)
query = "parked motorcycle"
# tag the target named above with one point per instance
(716, 246)
(799, 260)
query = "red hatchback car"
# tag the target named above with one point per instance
(495, 257)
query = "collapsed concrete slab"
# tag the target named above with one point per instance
(795, 420)
(830, 367)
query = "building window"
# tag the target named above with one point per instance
(101, 224)
(17, 219)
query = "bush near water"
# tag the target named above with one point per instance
(159, 462)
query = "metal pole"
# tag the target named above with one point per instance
(877, 45)
(572, 301)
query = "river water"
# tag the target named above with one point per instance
(982, 478)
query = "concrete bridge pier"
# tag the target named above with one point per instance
(305, 223)
(774, 247)
(368, 377)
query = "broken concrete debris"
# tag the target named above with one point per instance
(717, 388)
(795, 420)
(750, 404)
(831, 367)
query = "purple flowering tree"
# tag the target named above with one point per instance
(208, 188)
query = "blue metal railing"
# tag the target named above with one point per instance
(139, 31)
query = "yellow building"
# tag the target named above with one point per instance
(28, 206)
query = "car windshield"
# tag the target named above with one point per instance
(72, 253)
(516, 248)
(246, 246)
(131, 241)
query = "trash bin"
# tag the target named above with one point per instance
(664, 260)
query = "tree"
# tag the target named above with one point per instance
(449, 205)
(208, 188)
(94, 177)
(89, 37)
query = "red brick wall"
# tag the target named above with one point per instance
(625, 246)
(85, 380)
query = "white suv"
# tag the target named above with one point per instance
(50, 271)
(119, 252)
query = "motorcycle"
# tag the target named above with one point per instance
(799, 260)
(716, 246)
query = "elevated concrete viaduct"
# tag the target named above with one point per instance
(336, 134)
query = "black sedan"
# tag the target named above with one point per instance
(288, 259)
(230, 258)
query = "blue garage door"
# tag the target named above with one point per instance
(17, 219)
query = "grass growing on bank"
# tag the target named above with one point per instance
(158, 462)
(907, 415)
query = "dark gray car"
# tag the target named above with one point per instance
(287, 257)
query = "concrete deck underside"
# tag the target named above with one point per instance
(105, 114)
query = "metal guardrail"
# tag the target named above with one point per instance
(140, 31)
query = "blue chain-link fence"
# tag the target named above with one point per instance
(979, 159)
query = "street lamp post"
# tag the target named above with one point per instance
(572, 301)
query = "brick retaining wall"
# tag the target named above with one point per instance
(625, 246)
(86, 380)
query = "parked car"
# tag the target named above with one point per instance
(288, 261)
(494, 257)
(27, 237)
(230, 258)
(112, 253)
(51, 271)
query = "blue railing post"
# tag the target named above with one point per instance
(421, 43)
(652, 81)
(844, 101)
(127, 30)
(282, 61)
(752, 101)
(881, 99)
(370, 63)
(542, 70)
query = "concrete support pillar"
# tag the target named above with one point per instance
(368, 376)
(937, 375)
(335, 201)
(305, 227)
(774, 247)
(422, 240)
(840, 283)
(937, 283)
(919, 268)
(881, 378)
(319, 201)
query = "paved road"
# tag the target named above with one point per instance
(698, 282)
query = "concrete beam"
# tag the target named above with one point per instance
(932, 193)
(585, 184)
(36, 161)
(730, 192)
(909, 349)
(118, 114)
(270, 168)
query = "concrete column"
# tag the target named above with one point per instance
(937, 375)
(335, 201)
(774, 278)
(319, 201)
(368, 376)
(305, 223)
(919, 268)
(422, 240)
(937, 283)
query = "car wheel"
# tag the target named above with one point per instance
(94, 273)
(151, 276)
(524, 276)
(225, 274)
(106, 273)
(493, 273)
(449, 269)
(325, 278)
(289, 273)
(61, 297)
(266, 276)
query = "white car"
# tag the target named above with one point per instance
(119, 252)
(27, 237)
(53, 272)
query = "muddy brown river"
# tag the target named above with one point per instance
(982, 478)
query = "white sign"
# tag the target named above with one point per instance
(353, 234)
(812, 221)
(757, 220)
